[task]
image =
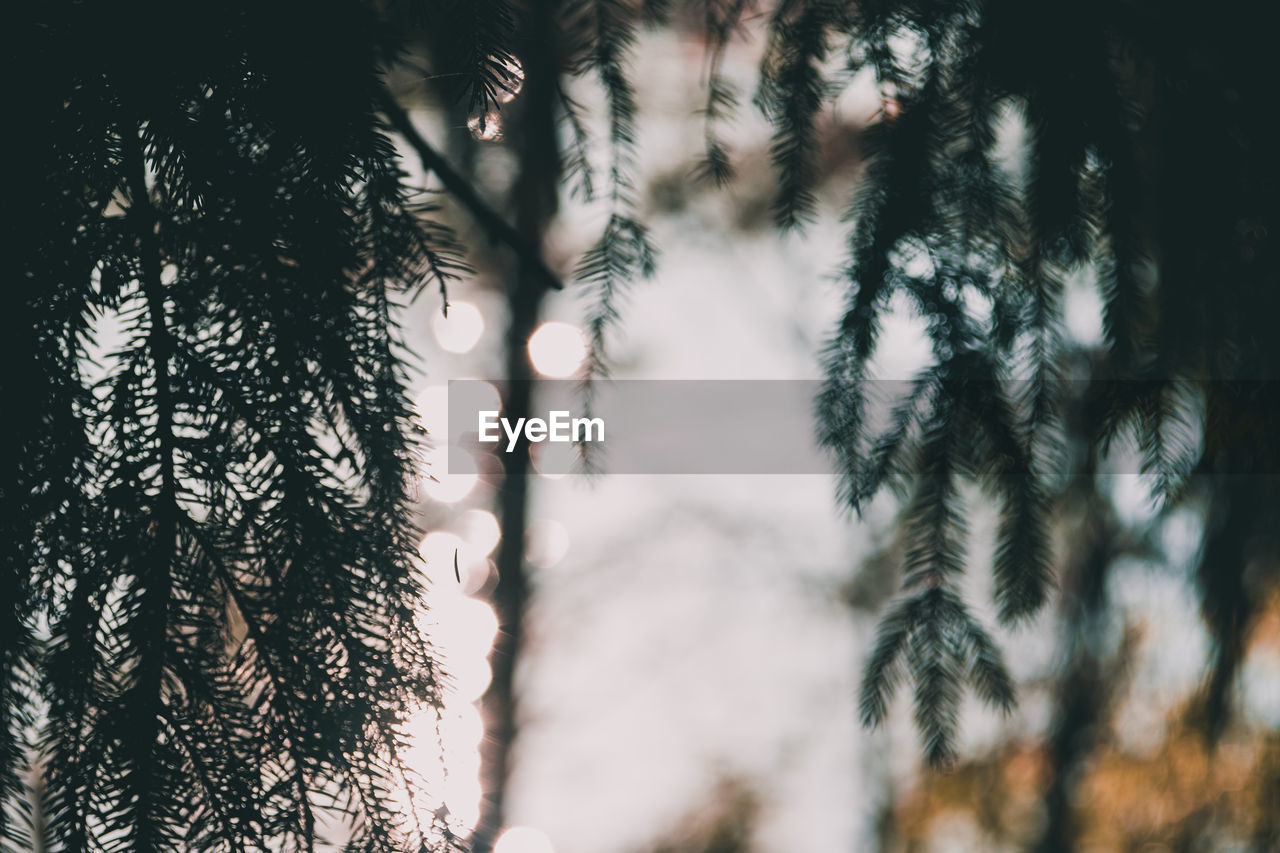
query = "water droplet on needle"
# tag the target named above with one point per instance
(486, 127)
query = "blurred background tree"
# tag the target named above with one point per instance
(981, 235)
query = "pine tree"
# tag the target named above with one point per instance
(209, 631)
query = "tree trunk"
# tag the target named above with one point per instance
(534, 201)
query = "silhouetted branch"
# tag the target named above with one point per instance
(460, 188)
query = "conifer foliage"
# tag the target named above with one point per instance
(1021, 144)
(207, 603)
(205, 510)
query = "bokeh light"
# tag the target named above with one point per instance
(480, 528)
(432, 408)
(467, 682)
(444, 755)
(461, 629)
(460, 331)
(523, 839)
(469, 569)
(476, 394)
(455, 483)
(546, 543)
(553, 461)
(475, 573)
(462, 726)
(464, 627)
(557, 350)
(437, 549)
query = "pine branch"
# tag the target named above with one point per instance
(292, 733)
(930, 637)
(466, 195)
(792, 92)
(624, 251)
(478, 63)
(722, 18)
(234, 553)
(152, 622)
(577, 164)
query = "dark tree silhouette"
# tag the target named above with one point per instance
(215, 535)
